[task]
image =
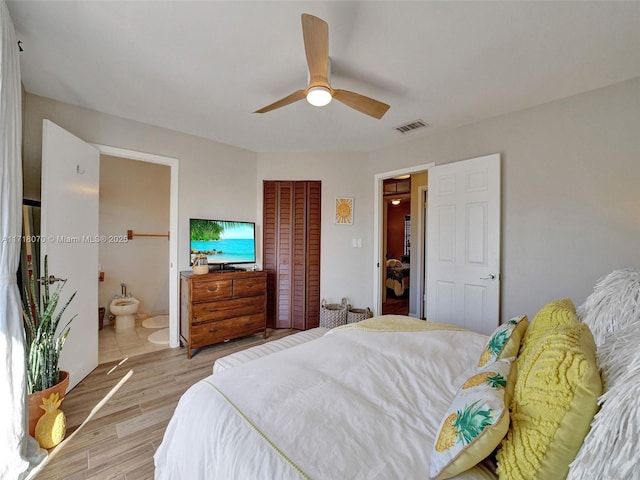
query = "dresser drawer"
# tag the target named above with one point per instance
(219, 331)
(205, 312)
(244, 287)
(206, 290)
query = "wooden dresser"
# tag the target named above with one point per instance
(219, 306)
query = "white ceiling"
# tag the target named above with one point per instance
(203, 67)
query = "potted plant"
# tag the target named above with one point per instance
(43, 345)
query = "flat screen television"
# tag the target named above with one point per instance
(224, 242)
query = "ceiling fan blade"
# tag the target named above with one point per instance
(363, 104)
(315, 32)
(294, 97)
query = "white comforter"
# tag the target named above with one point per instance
(349, 405)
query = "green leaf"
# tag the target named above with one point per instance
(207, 230)
(498, 341)
(40, 320)
(497, 381)
(471, 421)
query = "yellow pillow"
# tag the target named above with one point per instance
(505, 340)
(476, 421)
(554, 400)
(553, 315)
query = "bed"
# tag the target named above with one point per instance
(381, 399)
(397, 281)
(251, 421)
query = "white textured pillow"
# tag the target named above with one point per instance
(611, 447)
(614, 303)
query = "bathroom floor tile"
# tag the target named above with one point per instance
(143, 333)
(107, 342)
(114, 346)
(128, 339)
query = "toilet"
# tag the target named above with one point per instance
(125, 310)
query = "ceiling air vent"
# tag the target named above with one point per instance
(414, 125)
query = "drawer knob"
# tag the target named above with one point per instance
(213, 330)
(213, 289)
(249, 322)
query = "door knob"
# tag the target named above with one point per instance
(490, 277)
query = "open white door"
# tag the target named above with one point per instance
(69, 227)
(463, 259)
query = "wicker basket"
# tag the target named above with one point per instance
(357, 314)
(333, 314)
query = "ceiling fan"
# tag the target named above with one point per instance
(315, 32)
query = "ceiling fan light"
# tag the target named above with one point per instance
(318, 96)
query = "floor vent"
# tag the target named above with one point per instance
(414, 125)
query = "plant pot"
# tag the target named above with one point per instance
(34, 400)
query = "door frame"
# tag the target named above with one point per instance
(421, 254)
(172, 163)
(378, 229)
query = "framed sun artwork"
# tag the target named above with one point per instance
(344, 211)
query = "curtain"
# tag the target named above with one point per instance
(19, 452)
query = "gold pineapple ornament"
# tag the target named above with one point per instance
(52, 426)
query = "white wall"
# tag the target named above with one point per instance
(134, 196)
(570, 176)
(570, 200)
(570, 196)
(343, 269)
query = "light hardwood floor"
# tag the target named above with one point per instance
(119, 442)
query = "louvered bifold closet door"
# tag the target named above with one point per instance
(298, 287)
(291, 226)
(284, 254)
(278, 244)
(312, 257)
(269, 245)
(278, 238)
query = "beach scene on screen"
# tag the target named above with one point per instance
(223, 242)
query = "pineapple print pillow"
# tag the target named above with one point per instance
(504, 341)
(475, 423)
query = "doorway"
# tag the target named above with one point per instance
(462, 252)
(172, 163)
(70, 171)
(397, 244)
(134, 197)
(416, 242)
